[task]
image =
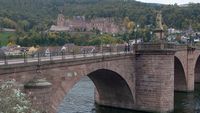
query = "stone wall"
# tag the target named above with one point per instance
(155, 80)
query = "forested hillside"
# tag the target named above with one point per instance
(31, 16)
(41, 13)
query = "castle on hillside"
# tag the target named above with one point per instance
(80, 24)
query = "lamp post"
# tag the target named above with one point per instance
(25, 55)
(135, 30)
(151, 35)
(5, 60)
(101, 43)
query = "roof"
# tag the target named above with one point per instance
(69, 45)
(51, 49)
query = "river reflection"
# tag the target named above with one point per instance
(188, 102)
(113, 110)
(81, 100)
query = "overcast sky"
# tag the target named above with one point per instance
(170, 1)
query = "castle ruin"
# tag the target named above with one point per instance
(81, 24)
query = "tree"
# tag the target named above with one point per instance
(24, 24)
(8, 23)
(11, 43)
(12, 100)
(104, 39)
(128, 24)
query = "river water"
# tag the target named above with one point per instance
(81, 100)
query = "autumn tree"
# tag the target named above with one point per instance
(129, 26)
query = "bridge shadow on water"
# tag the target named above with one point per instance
(103, 109)
(183, 103)
(187, 102)
(80, 99)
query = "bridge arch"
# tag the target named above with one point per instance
(180, 83)
(197, 70)
(112, 89)
(110, 86)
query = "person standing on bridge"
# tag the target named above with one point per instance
(126, 47)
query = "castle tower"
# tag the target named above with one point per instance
(61, 20)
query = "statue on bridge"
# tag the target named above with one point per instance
(159, 30)
(159, 21)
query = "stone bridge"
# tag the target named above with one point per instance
(186, 68)
(143, 79)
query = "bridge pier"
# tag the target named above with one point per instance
(155, 80)
(39, 92)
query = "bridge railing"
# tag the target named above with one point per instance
(155, 46)
(74, 53)
(161, 46)
(181, 47)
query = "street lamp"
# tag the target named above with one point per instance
(101, 43)
(151, 35)
(135, 30)
(25, 55)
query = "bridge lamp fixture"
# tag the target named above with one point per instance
(135, 30)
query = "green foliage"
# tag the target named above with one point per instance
(5, 37)
(34, 38)
(104, 39)
(8, 23)
(12, 100)
(182, 17)
(61, 38)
